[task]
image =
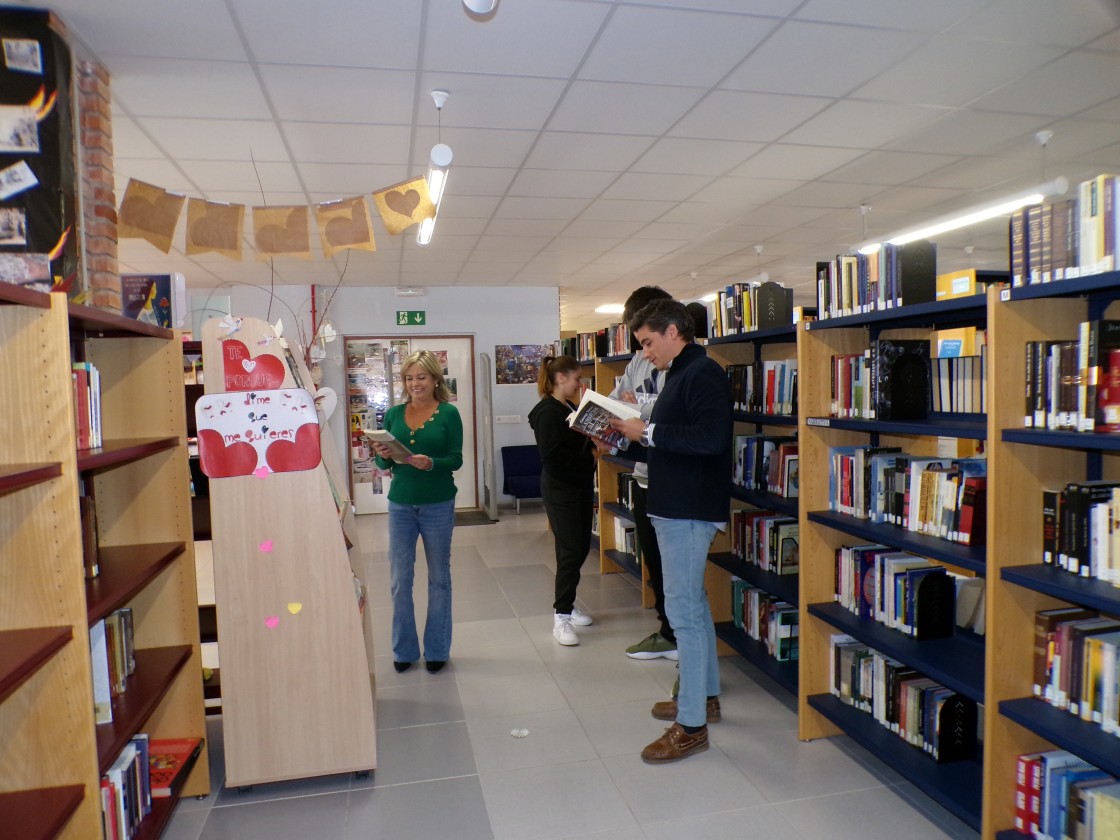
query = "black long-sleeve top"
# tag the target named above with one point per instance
(566, 456)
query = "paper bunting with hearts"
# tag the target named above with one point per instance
(281, 231)
(241, 432)
(215, 228)
(149, 212)
(404, 205)
(344, 224)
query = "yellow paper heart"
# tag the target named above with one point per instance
(294, 607)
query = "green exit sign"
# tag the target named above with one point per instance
(411, 318)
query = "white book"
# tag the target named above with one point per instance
(99, 658)
(400, 454)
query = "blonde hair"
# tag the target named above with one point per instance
(428, 362)
(550, 367)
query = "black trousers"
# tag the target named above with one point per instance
(569, 508)
(651, 556)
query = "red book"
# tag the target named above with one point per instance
(167, 758)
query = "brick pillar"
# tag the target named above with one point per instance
(102, 276)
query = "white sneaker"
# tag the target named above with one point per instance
(580, 618)
(562, 630)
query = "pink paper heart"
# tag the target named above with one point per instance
(261, 472)
(272, 621)
(265, 546)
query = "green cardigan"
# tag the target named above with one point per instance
(440, 438)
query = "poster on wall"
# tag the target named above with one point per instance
(369, 376)
(518, 364)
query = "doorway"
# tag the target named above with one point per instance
(373, 385)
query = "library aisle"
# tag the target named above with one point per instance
(449, 767)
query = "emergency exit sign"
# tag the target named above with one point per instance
(411, 318)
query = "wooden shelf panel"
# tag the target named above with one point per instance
(956, 786)
(972, 558)
(156, 669)
(786, 334)
(783, 673)
(23, 652)
(618, 357)
(98, 323)
(39, 814)
(767, 501)
(23, 296)
(1065, 731)
(125, 571)
(17, 476)
(784, 586)
(618, 461)
(1049, 580)
(1086, 441)
(969, 427)
(627, 562)
(618, 511)
(945, 313)
(957, 662)
(761, 418)
(1108, 281)
(114, 453)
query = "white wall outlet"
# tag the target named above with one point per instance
(507, 418)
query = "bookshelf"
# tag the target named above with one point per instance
(51, 752)
(769, 344)
(958, 661)
(1022, 462)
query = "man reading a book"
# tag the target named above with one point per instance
(687, 445)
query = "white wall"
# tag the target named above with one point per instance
(493, 315)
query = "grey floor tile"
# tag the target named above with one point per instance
(537, 803)
(322, 817)
(618, 728)
(632, 833)
(449, 808)
(877, 814)
(275, 791)
(186, 824)
(486, 608)
(763, 823)
(948, 823)
(553, 738)
(486, 696)
(433, 698)
(422, 754)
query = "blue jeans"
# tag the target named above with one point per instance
(684, 547)
(434, 524)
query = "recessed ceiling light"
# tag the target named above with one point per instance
(610, 309)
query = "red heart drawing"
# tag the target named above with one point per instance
(245, 373)
(220, 461)
(403, 203)
(295, 456)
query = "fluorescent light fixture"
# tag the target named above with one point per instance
(439, 166)
(982, 213)
(610, 309)
(710, 297)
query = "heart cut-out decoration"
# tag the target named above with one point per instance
(293, 456)
(244, 372)
(272, 621)
(262, 472)
(216, 229)
(292, 238)
(265, 546)
(221, 461)
(403, 203)
(294, 607)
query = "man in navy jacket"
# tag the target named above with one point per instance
(687, 445)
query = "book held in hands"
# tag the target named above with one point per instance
(400, 452)
(593, 416)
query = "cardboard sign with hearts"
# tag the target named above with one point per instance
(244, 372)
(242, 432)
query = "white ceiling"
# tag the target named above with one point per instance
(601, 145)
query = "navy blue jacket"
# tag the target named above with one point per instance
(690, 460)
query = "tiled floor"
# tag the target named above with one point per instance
(449, 767)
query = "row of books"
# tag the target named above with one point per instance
(1058, 795)
(146, 769)
(612, 340)
(939, 497)
(959, 385)
(1076, 664)
(766, 539)
(625, 537)
(625, 490)
(1067, 238)
(764, 462)
(1081, 529)
(748, 307)
(113, 656)
(1074, 384)
(766, 619)
(919, 710)
(889, 277)
(906, 592)
(86, 380)
(888, 381)
(768, 387)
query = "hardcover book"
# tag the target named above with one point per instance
(167, 758)
(901, 376)
(401, 453)
(593, 415)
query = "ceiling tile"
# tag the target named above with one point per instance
(912, 15)
(790, 161)
(644, 44)
(513, 207)
(525, 227)
(622, 109)
(779, 8)
(1066, 85)
(1039, 22)
(131, 141)
(161, 173)
(488, 101)
(736, 115)
(862, 125)
(317, 142)
(211, 139)
(478, 180)
(578, 150)
(346, 179)
(827, 194)
(880, 167)
(157, 87)
(626, 210)
(605, 228)
(552, 182)
(641, 186)
(694, 157)
(969, 133)
(499, 147)
(340, 94)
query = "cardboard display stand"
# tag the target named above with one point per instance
(296, 651)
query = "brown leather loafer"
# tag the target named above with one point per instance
(667, 710)
(675, 744)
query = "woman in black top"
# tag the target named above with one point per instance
(567, 485)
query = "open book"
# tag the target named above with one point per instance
(593, 415)
(400, 453)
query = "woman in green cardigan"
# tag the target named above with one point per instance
(422, 505)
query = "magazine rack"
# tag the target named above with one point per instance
(296, 651)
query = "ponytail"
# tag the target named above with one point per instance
(550, 367)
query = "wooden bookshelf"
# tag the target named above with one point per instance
(958, 662)
(1022, 462)
(52, 752)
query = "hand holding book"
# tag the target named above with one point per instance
(593, 418)
(387, 446)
